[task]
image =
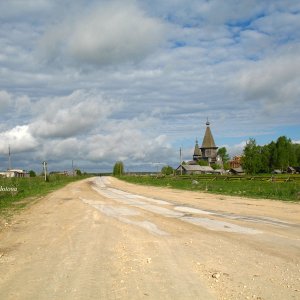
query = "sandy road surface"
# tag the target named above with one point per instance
(106, 239)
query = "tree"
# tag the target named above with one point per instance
(284, 155)
(216, 166)
(226, 166)
(265, 159)
(271, 148)
(296, 148)
(78, 172)
(167, 170)
(118, 169)
(202, 162)
(222, 152)
(276, 155)
(251, 161)
(32, 173)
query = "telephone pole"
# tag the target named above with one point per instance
(9, 158)
(45, 170)
(180, 154)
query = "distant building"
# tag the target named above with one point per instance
(207, 153)
(237, 171)
(277, 171)
(297, 169)
(208, 150)
(195, 169)
(14, 173)
(291, 170)
(197, 153)
(235, 162)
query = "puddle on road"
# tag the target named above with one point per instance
(122, 197)
(133, 196)
(260, 220)
(178, 212)
(119, 213)
(192, 210)
(219, 225)
(149, 226)
(109, 210)
(112, 211)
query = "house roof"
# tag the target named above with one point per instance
(237, 170)
(16, 170)
(208, 140)
(291, 168)
(197, 168)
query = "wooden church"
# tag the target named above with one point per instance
(208, 149)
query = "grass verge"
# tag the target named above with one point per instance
(17, 193)
(282, 188)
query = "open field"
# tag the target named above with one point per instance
(282, 187)
(23, 191)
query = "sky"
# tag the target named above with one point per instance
(96, 81)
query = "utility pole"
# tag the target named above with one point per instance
(9, 159)
(180, 154)
(45, 170)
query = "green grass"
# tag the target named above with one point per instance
(28, 190)
(283, 188)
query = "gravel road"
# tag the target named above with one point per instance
(102, 238)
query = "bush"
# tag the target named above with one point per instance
(167, 170)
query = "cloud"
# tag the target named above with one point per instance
(273, 81)
(5, 100)
(135, 80)
(71, 115)
(109, 34)
(129, 140)
(61, 149)
(19, 138)
(236, 149)
(18, 8)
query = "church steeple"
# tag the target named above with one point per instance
(197, 152)
(208, 148)
(207, 122)
(208, 140)
(208, 151)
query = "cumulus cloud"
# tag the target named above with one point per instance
(61, 149)
(19, 138)
(122, 141)
(236, 149)
(129, 145)
(70, 115)
(274, 81)
(113, 33)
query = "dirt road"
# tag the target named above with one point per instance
(102, 238)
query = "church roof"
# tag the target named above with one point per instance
(208, 140)
(197, 151)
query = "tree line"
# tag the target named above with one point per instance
(275, 155)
